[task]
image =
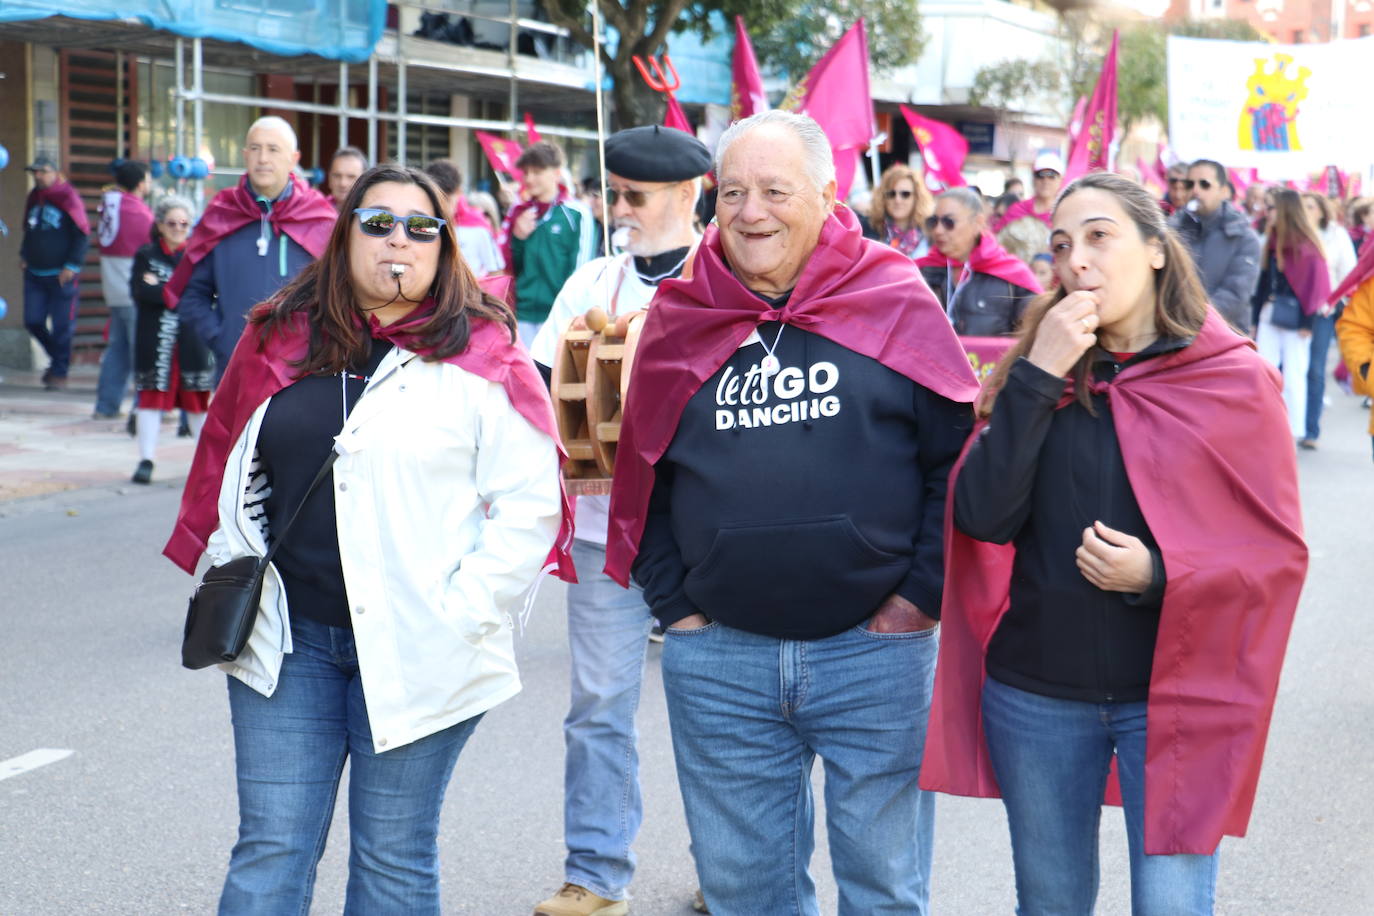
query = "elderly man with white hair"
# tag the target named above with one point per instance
(251, 240)
(795, 410)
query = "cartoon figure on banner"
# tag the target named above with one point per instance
(1269, 119)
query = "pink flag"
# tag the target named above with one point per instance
(501, 153)
(530, 131)
(676, 117)
(1242, 179)
(836, 94)
(942, 148)
(1091, 147)
(746, 85)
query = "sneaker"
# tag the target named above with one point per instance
(54, 382)
(575, 900)
(699, 902)
(1309, 444)
(144, 472)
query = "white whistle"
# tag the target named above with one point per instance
(262, 247)
(398, 271)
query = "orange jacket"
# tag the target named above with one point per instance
(1355, 331)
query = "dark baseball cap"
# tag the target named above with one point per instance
(40, 163)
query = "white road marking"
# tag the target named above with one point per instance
(31, 761)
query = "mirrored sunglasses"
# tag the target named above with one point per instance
(380, 223)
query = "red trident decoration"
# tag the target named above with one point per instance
(667, 82)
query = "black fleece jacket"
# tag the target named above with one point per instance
(1038, 477)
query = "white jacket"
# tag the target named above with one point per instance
(447, 502)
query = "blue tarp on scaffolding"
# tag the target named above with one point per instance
(338, 29)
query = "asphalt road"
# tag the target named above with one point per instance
(139, 819)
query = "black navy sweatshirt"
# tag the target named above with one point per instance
(793, 505)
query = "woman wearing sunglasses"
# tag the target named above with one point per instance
(1124, 563)
(983, 289)
(899, 211)
(173, 367)
(384, 628)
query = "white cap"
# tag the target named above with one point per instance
(1049, 159)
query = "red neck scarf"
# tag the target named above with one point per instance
(64, 197)
(1362, 271)
(989, 258)
(541, 209)
(862, 295)
(304, 215)
(1209, 455)
(255, 375)
(1305, 270)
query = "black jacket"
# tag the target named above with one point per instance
(794, 509)
(985, 306)
(1038, 477)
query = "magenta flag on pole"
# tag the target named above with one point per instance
(746, 85)
(501, 153)
(676, 117)
(530, 129)
(836, 94)
(943, 148)
(1091, 149)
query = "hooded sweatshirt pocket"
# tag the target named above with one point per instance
(801, 578)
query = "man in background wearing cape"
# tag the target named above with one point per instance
(780, 484)
(51, 254)
(250, 242)
(125, 222)
(654, 181)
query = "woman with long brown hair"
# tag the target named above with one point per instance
(899, 210)
(1294, 284)
(1124, 564)
(384, 628)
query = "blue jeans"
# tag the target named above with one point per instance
(608, 634)
(117, 362)
(1051, 759)
(1323, 330)
(50, 315)
(749, 715)
(290, 751)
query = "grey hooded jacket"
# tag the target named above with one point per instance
(1227, 254)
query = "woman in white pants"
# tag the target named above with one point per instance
(1293, 287)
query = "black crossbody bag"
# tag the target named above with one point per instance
(222, 611)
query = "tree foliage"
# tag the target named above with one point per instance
(1142, 88)
(788, 34)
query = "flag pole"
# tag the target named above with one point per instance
(873, 145)
(601, 138)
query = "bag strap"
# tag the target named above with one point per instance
(323, 472)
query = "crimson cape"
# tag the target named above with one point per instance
(989, 258)
(862, 295)
(1208, 453)
(1305, 270)
(64, 197)
(253, 376)
(305, 216)
(1362, 271)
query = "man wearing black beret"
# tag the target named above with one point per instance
(653, 182)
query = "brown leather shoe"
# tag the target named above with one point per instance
(575, 900)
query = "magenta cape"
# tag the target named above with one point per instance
(305, 216)
(126, 230)
(1305, 270)
(989, 258)
(1210, 458)
(64, 197)
(1023, 208)
(255, 375)
(1362, 271)
(862, 295)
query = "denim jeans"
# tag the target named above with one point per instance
(1323, 329)
(290, 751)
(1051, 759)
(50, 316)
(608, 634)
(117, 362)
(749, 715)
